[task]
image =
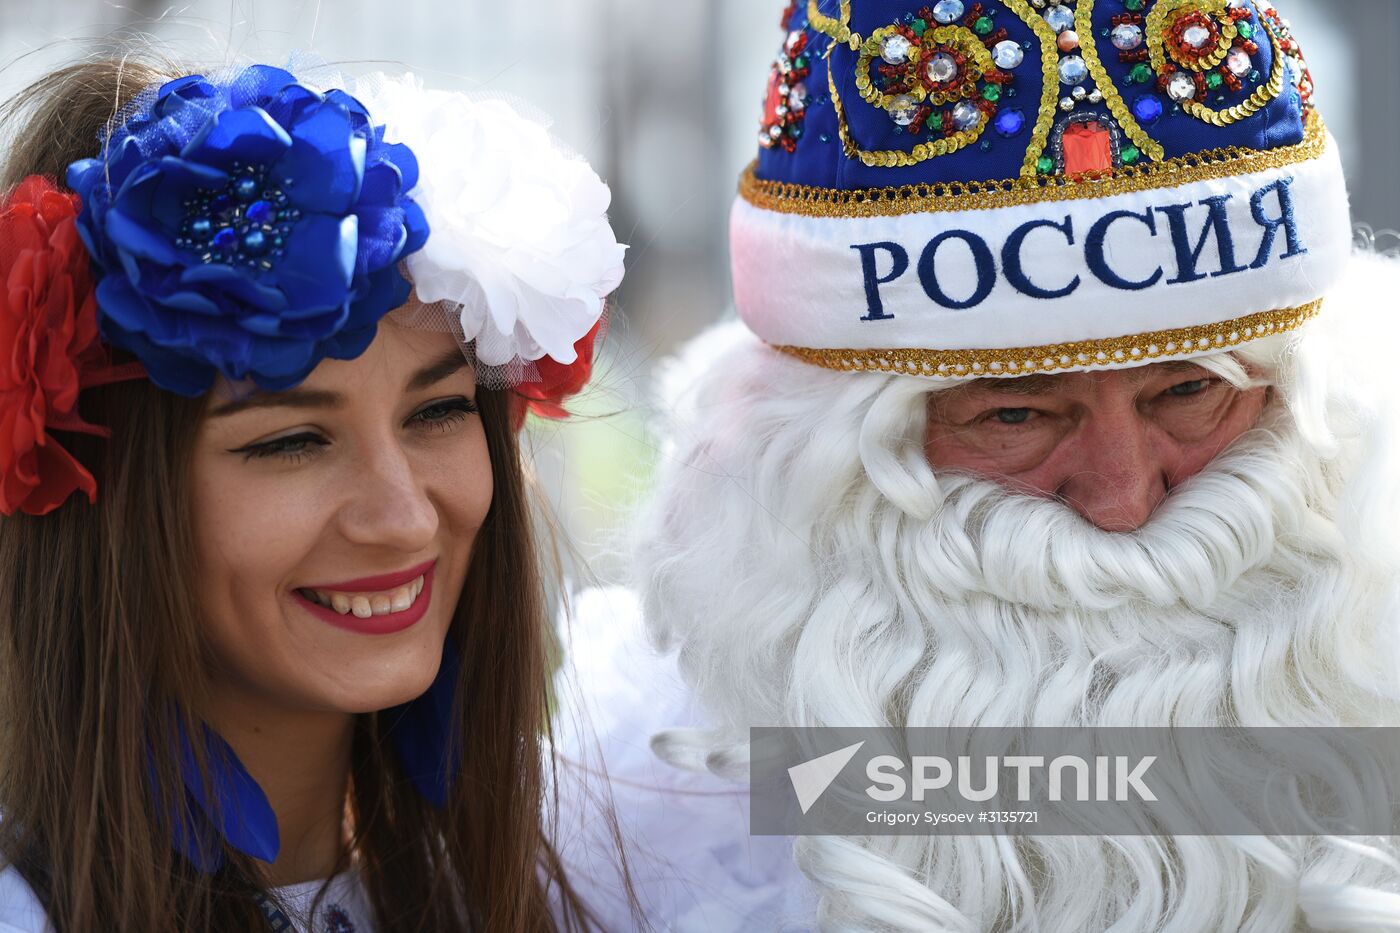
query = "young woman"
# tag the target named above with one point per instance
(273, 651)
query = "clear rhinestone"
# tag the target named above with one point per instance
(966, 115)
(1126, 37)
(1195, 36)
(1073, 70)
(903, 109)
(1079, 93)
(946, 11)
(1238, 62)
(1095, 96)
(1066, 104)
(1181, 87)
(1008, 54)
(1060, 17)
(895, 50)
(797, 97)
(941, 68)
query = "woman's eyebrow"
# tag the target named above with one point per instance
(436, 371)
(451, 362)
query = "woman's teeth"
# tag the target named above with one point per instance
(364, 605)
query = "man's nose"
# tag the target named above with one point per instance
(1120, 473)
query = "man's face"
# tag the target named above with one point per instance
(1111, 445)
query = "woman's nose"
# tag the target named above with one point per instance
(1118, 473)
(390, 507)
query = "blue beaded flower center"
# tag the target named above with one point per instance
(246, 222)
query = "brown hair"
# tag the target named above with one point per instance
(100, 666)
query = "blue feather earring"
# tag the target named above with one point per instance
(239, 813)
(423, 732)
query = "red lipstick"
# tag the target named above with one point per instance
(375, 624)
(384, 581)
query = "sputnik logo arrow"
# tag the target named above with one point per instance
(811, 778)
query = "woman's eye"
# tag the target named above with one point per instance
(1187, 389)
(1012, 415)
(441, 416)
(295, 448)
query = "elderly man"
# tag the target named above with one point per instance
(1059, 400)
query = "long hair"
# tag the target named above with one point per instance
(101, 662)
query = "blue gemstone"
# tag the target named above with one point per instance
(255, 243)
(225, 239)
(246, 189)
(261, 212)
(201, 227)
(1010, 122)
(1147, 109)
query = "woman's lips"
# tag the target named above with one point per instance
(384, 581)
(373, 593)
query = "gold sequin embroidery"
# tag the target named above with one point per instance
(1156, 45)
(1084, 25)
(1024, 361)
(1050, 68)
(837, 31)
(788, 198)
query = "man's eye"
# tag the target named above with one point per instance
(1194, 387)
(1012, 415)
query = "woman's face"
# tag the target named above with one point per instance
(334, 523)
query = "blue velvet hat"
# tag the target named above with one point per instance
(953, 188)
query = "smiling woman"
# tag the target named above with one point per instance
(273, 647)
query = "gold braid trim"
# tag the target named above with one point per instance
(1084, 26)
(1024, 361)
(1049, 95)
(934, 197)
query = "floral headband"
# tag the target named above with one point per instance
(253, 227)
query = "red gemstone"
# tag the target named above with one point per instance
(1088, 148)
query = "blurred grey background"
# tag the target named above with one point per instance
(664, 99)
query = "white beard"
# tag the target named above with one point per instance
(814, 572)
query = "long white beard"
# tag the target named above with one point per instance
(814, 572)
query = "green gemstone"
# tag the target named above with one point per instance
(991, 92)
(1141, 74)
(1133, 6)
(1246, 31)
(983, 26)
(800, 61)
(934, 122)
(1045, 165)
(918, 26)
(1131, 155)
(1213, 80)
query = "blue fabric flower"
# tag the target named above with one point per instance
(250, 228)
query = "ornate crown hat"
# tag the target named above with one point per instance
(252, 224)
(971, 189)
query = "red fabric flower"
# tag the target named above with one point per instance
(49, 347)
(558, 381)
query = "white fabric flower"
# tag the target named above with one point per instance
(520, 237)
